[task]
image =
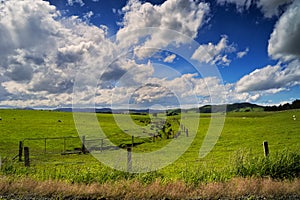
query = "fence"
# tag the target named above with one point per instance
(59, 145)
(94, 145)
(73, 145)
(49, 145)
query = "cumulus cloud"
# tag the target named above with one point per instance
(151, 93)
(283, 45)
(3, 93)
(72, 2)
(41, 52)
(170, 58)
(185, 17)
(272, 8)
(285, 39)
(214, 54)
(240, 4)
(133, 74)
(268, 8)
(270, 78)
(241, 54)
(87, 16)
(26, 25)
(73, 52)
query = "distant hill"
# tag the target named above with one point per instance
(109, 110)
(235, 107)
(97, 110)
(25, 108)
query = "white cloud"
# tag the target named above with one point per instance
(240, 4)
(283, 45)
(234, 96)
(144, 52)
(185, 17)
(241, 54)
(170, 58)
(270, 78)
(269, 8)
(214, 54)
(285, 39)
(24, 26)
(43, 52)
(87, 16)
(153, 94)
(72, 2)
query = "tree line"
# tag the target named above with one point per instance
(295, 105)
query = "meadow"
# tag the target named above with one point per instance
(238, 152)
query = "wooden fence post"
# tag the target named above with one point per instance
(129, 160)
(266, 148)
(45, 147)
(20, 151)
(132, 141)
(64, 144)
(26, 155)
(83, 145)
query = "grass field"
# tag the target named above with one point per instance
(238, 152)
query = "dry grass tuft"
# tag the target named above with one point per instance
(235, 188)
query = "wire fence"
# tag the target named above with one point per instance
(50, 145)
(41, 149)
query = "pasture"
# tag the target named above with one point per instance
(237, 153)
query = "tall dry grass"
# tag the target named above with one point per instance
(235, 188)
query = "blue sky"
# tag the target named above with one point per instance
(148, 53)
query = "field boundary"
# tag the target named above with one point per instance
(236, 188)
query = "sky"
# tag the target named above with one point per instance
(148, 54)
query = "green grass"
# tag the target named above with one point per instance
(19, 124)
(243, 132)
(279, 165)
